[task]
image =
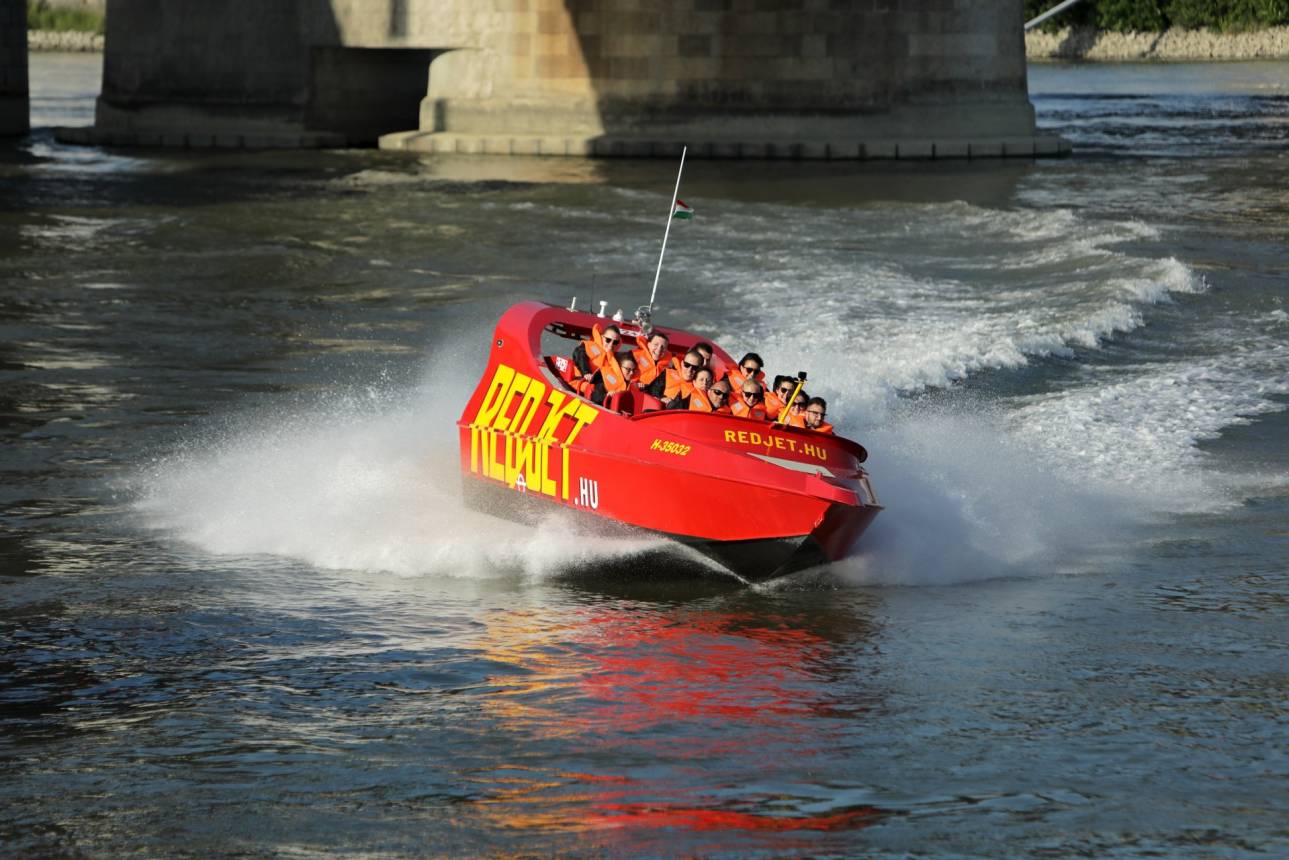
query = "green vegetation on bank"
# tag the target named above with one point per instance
(42, 16)
(1153, 16)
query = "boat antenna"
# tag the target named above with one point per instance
(671, 210)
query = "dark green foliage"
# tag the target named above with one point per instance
(1130, 16)
(41, 16)
(1151, 16)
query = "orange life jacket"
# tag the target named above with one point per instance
(678, 387)
(798, 420)
(698, 402)
(737, 377)
(649, 369)
(824, 427)
(773, 405)
(603, 360)
(740, 409)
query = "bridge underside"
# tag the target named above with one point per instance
(13, 67)
(728, 78)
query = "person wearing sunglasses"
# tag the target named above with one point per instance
(592, 353)
(777, 397)
(680, 383)
(749, 367)
(750, 401)
(707, 351)
(719, 397)
(797, 411)
(607, 381)
(816, 411)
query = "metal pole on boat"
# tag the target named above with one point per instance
(671, 210)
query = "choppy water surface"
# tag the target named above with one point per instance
(244, 613)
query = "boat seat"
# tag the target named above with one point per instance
(562, 367)
(621, 401)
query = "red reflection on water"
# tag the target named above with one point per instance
(647, 815)
(650, 668)
(698, 694)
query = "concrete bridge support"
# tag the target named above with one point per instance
(14, 105)
(730, 78)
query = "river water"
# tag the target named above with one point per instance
(244, 614)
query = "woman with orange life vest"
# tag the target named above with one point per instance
(749, 367)
(797, 411)
(605, 382)
(592, 354)
(777, 398)
(699, 400)
(816, 410)
(749, 404)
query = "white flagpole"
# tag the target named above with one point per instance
(671, 210)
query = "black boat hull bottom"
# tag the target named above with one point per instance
(751, 560)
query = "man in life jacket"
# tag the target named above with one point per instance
(719, 397)
(605, 382)
(592, 353)
(652, 360)
(749, 367)
(777, 398)
(749, 404)
(706, 350)
(816, 411)
(698, 400)
(680, 383)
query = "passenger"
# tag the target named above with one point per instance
(697, 401)
(651, 357)
(816, 411)
(750, 404)
(749, 367)
(797, 411)
(719, 397)
(708, 350)
(592, 353)
(606, 381)
(680, 383)
(777, 398)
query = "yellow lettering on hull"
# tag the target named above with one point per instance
(511, 405)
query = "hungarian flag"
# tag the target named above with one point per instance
(681, 211)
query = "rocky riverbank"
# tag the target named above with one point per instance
(1085, 43)
(63, 40)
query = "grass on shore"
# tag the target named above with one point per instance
(41, 16)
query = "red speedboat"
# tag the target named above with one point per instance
(761, 499)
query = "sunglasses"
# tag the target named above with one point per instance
(716, 392)
(751, 368)
(611, 340)
(752, 395)
(785, 389)
(693, 366)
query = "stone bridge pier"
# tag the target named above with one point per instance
(729, 78)
(14, 106)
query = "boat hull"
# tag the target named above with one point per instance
(755, 559)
